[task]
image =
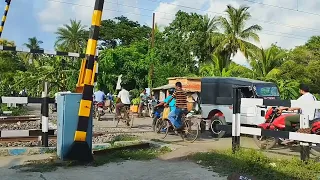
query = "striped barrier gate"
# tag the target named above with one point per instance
(237, 129)
(79, 150)
(44, 122)
(4, 17)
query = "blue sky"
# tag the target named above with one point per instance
(288, 26)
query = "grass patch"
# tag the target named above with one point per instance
(52, 164)
(16, 111)
(124, 137)
(256, 164)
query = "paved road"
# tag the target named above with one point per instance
(129, 170)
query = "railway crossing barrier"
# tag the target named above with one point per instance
(236, 128)
(44, 123)
(41, 51)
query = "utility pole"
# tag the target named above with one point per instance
(153, 24)
(152, 46)
(4, 17)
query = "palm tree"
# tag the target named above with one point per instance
(33, 43)
(235, 36)
(217, 67)
(209, 26)
(265, 62)
(288, 89)
(5, 42)
(72, 37)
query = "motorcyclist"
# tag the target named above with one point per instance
(303, 105)
(143, 100)
(99, 96)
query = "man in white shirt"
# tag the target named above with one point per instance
(304, 105)
(123, 99)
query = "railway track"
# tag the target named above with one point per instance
(15, 119)
(32, 138)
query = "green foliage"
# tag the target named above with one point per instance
(16, 111)
(72, 38)
(191, 45)
(136, 101)
(122, 31)
(255, 163)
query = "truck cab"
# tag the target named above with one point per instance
(216, 100)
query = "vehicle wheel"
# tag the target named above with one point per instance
(264, 142)
(160, 124)
(98, 116)
(168, 126)
(131, 118)
(145, 112)
(116, 120)
(191, 131)
(154, 122)
(217, 120)
(151, 113)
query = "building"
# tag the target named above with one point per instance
(190, 84)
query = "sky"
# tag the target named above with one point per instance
(288, 23)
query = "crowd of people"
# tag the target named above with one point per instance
(176, 101)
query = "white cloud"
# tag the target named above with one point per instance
(56, 13)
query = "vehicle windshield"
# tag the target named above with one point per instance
(267, 91)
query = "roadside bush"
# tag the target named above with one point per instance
(256, 164)
(18, 111)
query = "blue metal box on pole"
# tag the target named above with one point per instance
(67, 109)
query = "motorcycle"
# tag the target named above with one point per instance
(275, 120)
(148, 108)
(98, 110)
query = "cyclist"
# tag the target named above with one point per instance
(180, 97)
(122, 100)
(172, 103)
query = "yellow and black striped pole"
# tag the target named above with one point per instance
(4, 17)
(80, 149)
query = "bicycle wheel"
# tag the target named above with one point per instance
(131, 118)
(115, 118)
(160, 124)
(191, 131)
(168, 126)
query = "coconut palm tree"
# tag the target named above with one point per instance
(5, 42)
(72, 37)
(217, 67)
(33, 43)
(265, 63)
(235, 35)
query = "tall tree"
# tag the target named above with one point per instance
(72, 37)
(33, 43)
(265, 63)
(122, 31)
(235, 35)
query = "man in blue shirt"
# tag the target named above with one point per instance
(99, 96)
(172, 103)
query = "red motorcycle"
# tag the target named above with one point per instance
(275, 120)
(98, 110)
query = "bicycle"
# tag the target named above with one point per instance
(189, 131)
(126, 116)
